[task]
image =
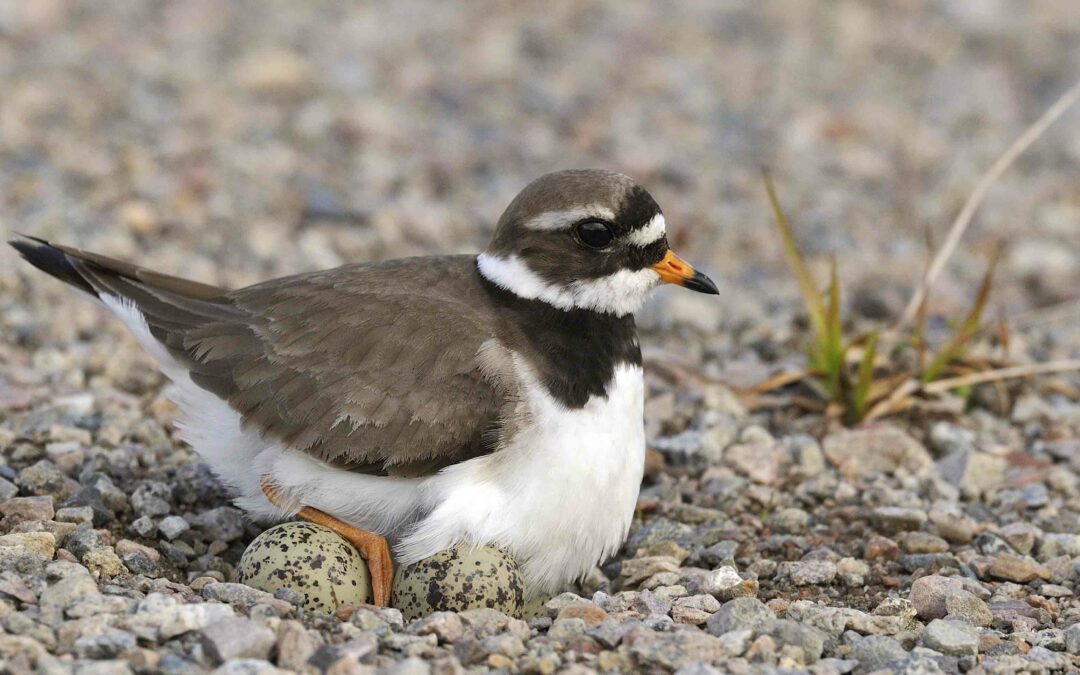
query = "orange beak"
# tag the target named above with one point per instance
(674, 270)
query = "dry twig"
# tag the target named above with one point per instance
(1002, 374)
(963, 219)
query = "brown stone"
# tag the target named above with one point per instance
(1019, 570)
(587, 612)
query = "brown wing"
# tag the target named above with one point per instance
(375, 367)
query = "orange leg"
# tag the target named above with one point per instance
(373, 548)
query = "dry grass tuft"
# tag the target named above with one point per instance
(850, 376)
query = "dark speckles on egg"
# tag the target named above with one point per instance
(308, 559)
(458, 579)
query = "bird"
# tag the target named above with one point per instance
(421, 403)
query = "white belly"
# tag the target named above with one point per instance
(560, 497)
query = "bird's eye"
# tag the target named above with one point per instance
(594, 234)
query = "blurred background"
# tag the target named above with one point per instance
(237, 141)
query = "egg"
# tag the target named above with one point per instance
(464, 577)
(309, 559)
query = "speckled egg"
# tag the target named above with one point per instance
(308, 559)
(457, 579)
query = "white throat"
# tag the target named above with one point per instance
(621, 293)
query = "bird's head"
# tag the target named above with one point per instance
(585, 239)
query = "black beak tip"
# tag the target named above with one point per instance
(702, 284)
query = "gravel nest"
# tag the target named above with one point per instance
(232, 142)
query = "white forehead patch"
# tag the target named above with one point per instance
(650, 233)
(621, 293)
(561, 220)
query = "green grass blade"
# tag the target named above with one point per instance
(832, 343)
(860, 395)
(968, 328)
(810, 294)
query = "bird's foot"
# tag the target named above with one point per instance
(372, 547)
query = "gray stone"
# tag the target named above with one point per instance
(739, 614)
(105, 646)
(873, 652)
(736, 642)
(609, 632)
(90, 498)
(636, 570)
(650, 604)
(412, 665)
(673, 650)
(295, 644)
(1054, 544)
(946, 437)
(921, 664)
(7, 489)
(1007, 613)
(934, 563)
(1055, 591)
(698, 668)
(808, 572)
(96, 605)
(952, 638)
(1021, 535)
(485, 621)
(876, 449)
(564, 629)
(720, 554)
(1052, 639)
(143, 526)
(928, 595)
(114, 498)
(724, 583)
(224, 523)
(973, 472)
(172, 527)
(236, 638)
(84, 540)
(152, 499)
(72, 582)
(661, 530)
(45, 478)
(239, 595)
(446, 626)
(561, 601)
(792, 633)
(1072, 639)
(508, 645)
(893, 519)
(989, 543)
(250, 667)
(75, 514)
(703, 602)
(104, 667)
(1041, 659)
(953, 525)
(833, 621)
(1034, 496)
(968, 607)
(161, 617)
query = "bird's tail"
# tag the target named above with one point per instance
(100, 275)
(167, 314)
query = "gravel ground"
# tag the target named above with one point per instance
(232, 142)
